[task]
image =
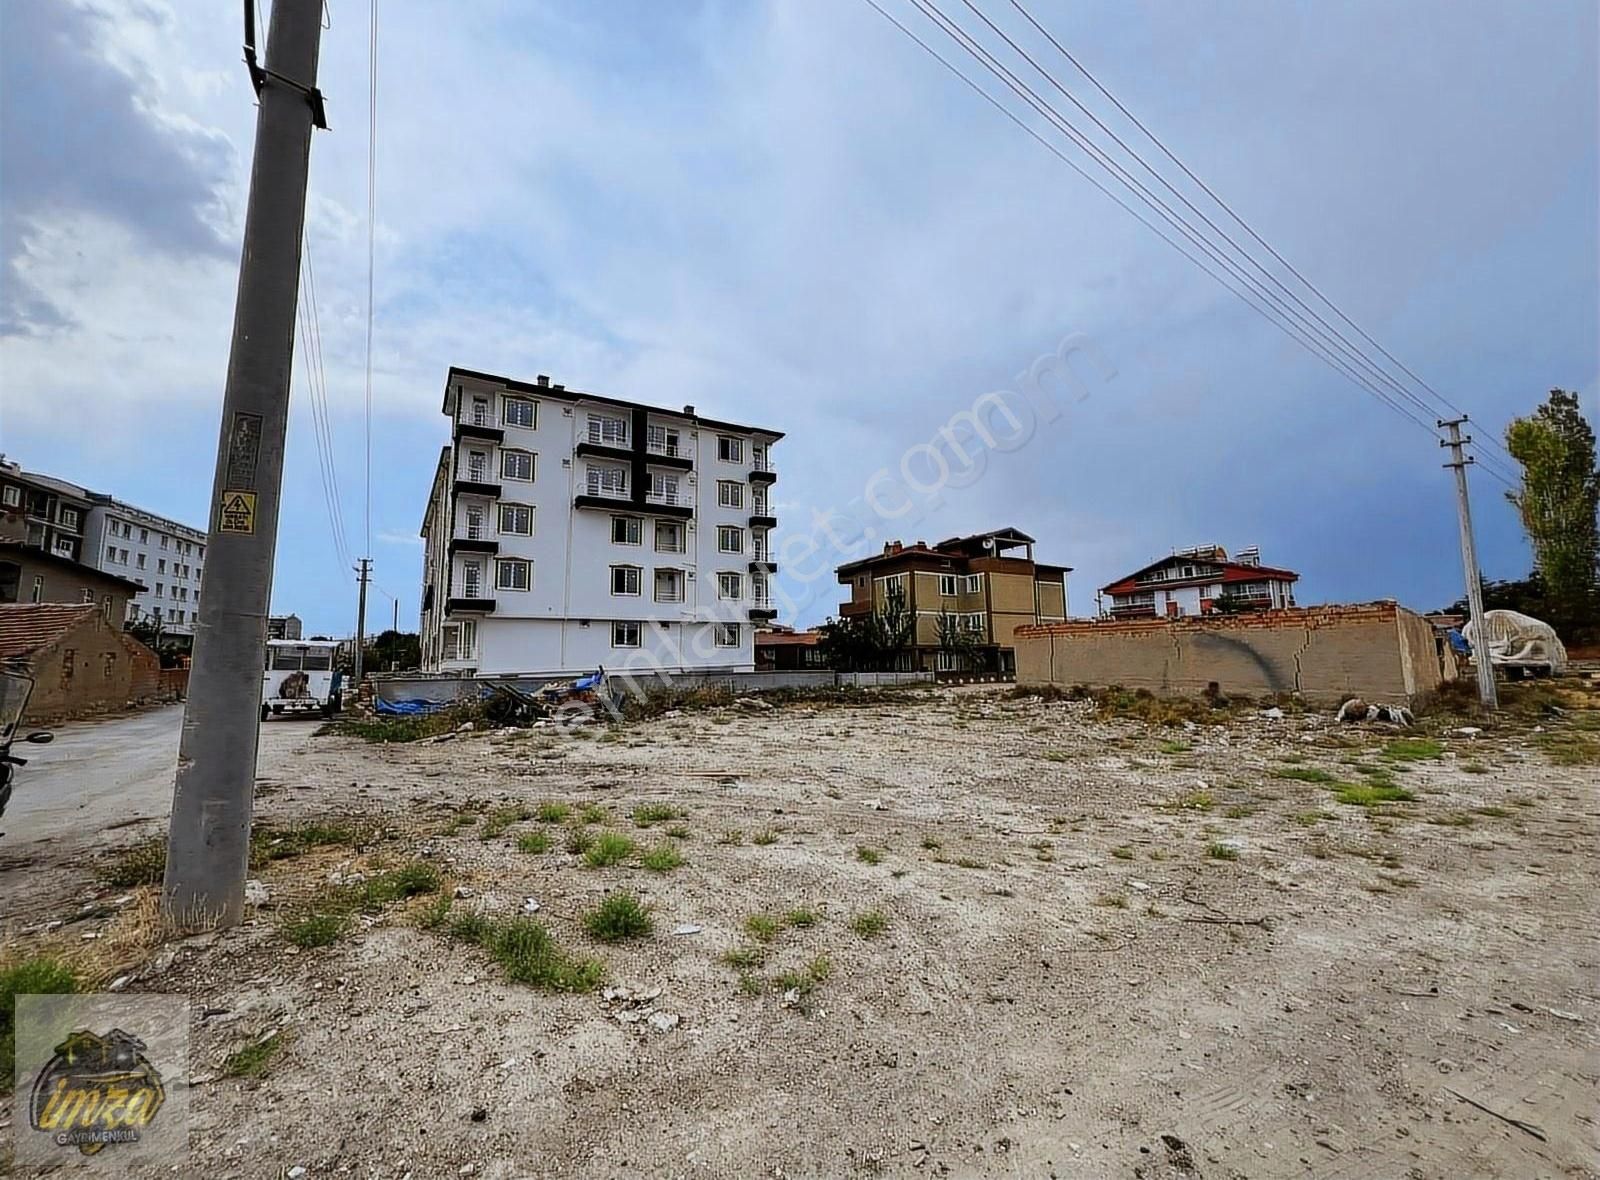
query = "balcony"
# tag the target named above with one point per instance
(668, 455)
(761, 472)
(482, 430)
(468, 606)
(476, 482)
(761, 516)
(669, 501)
(594, 448)
(472, 545)
(850, 610)
(597, 494)
(762, 611)
(761, 562)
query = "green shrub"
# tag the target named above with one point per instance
(870, 923)
(37, 976)
(538, 841)
(552, 813)
(654, 813)
(620, 916)
(255, 1058)
(609, 848)
(661, 859)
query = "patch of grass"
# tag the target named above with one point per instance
(411, 880)
(528, 954)
(500, 819)
(1305, 774)
(1569, 748)
(1217, 851)
(143, 864)
(39, 975)
(745, 957)
(1240, 811)
(870, 923)
(801, 918)
(805, 981)
(434, 915)
(749, 985)
(1123, 853)
(1451, 819)
(535, 842)
(619, 917)
(594, 813)
(461, 819)
(647, 814)
(609, 848)
(679, 831)
(1308, 819)
(1174, 747)
(270, 844)
(868, 855)
(256, 1058)
(551, 812)
(663, 858)
(1412, 749)
(1371, 794)
(764, 837)
(763, 927)
(578, 841)
(405, 729)
(1196, 800)
(731, 836)
(1474, 768)
(319, 927)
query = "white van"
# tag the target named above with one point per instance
(300, 678)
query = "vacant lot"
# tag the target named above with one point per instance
(957, 935)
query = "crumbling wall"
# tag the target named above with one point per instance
(1324, 654)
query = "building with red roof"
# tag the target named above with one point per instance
(1199, 581)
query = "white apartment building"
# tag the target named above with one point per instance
(567, 531)
(162, 555)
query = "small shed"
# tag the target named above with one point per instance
(80, 661)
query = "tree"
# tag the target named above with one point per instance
(960, 641)
(869, 643)
(1559, 503)
(394, 649)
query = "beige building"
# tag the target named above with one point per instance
(967, 596)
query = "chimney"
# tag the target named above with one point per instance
(897, 547)
(543, 379)
(688, 411)
(558, 387)
(922, 544)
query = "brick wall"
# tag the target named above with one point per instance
(1378, 650)
(94, 668)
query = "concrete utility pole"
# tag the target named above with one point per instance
(363, 574)
(208, 846)
(1469, 561)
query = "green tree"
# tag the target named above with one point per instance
(872, 642)
(1559, 503)
(958, 640)
(393, 649)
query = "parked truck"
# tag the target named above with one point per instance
(301, 678)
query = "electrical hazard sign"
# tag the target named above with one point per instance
(238, 512)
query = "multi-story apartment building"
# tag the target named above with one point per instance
(965, 596)
(567, 531)
(1199, 581)
(162, 556)
(165, 556)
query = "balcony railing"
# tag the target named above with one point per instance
(602, 436)
(607, 491)
(671, 497)
(665, 593)
(671, 450)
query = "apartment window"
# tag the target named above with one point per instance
(69, 520)
(974, 583)
(472, 578)
(480, 411)
(603, 428)
(730, 450)
(516, 465)
(669, 536)
(730, 539)
(111, 554)
(139, 561)
(38, 587)
(669, 585)
(730, 494)
(478, 466)
(625, 580)
(164, 540)
(730, 586)
(474, 522)
(512, 573)
(664, 489)
(88, 595)
(725, 634)
(662, 440)
(160, 590)
(626, 530)
(972, 622)
(459, 640)
(624, 634)
(758, 457)
(144, 536)
(947, 585)
(519, 411)
(516, 519)
(607, 481)
(12, 496)
(161, 566)
(758, 502)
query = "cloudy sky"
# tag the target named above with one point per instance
(788, 213)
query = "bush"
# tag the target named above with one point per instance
(39, 976)
(534, 842)
(870, 923)
(610, 848)
(662, 859)
(620, 916)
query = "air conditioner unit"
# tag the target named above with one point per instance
(566, 462)
(689, 575)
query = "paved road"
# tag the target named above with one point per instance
(99, 773)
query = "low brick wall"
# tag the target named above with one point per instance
(1325, 654)
(173, 684)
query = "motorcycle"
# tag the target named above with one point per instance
(15, 689)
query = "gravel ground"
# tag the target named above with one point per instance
(1111, 949)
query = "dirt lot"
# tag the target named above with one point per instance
(1108, 949)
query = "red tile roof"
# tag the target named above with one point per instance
(1232, 571)
(787, 638)
(28, 626)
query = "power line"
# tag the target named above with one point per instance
(317, 382)
(372, 218)
(1246, 226)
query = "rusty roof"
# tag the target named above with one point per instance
(27, 626)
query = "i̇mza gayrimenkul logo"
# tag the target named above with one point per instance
(96, 1091)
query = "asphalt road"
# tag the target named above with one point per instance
(97, 774)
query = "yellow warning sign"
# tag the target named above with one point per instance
(238, 512)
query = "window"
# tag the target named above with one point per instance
(38, 587)
(730, 586)
(607, 481)
(730, 450)
(472, 578)
(111, 554)
(624, 634)
(459, 640)
(947, 585)
(625, 580)
(608, 430)
(669, 585)
(730, 494)
(972, 622)
(478, 466)
(144, 536)
(512, 573)
(12, 496)
(519, 411)
(974, 583)
(662, 440)
(88, 594)
(474, 522)
(626, 530)
(669, 537)
(730, 539)
(664, 489)
(69, 518)
(164, 540)
(516, 465)
(517, 519)
(725, 634)
(140, 561)
(161, 566)
(480, 411)
(160, 589)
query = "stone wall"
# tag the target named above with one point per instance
(1377, 650)
(94, 668)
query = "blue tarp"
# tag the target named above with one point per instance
(412, 708)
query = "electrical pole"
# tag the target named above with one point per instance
(1469, 562)
(208, 845)
(362, 572)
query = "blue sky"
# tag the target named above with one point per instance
(787, 213)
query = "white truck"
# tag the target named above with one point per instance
(300, 678)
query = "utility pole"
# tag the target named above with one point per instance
(362, 573)
(1469, 561)
(208, 845)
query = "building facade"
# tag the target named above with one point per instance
(283, 627)
(567, 531)
(1199, 581)
(965, 596)
(42, 512)
(81, 662)
(164, 556)
(33, 576)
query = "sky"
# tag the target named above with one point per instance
(789, 214)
